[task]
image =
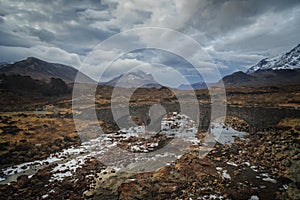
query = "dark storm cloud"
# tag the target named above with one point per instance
(240, 33)
(50, 24)
(13, 39)
(42, 34)
(1, 20)
(236, 33)
(218, 17)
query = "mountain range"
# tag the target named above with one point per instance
(282, 69)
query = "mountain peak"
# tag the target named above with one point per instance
(32, 59)
(139, 74)
(289, 60)
(133, 79)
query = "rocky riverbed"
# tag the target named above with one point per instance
(261, 165)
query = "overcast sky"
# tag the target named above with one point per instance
(235, 33)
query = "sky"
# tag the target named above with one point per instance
(233, 34)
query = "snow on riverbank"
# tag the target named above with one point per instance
(69, 160)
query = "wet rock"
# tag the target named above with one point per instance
(286, 163)
(279, 156)
(297, 128)
(168, 188)
(128, 190)
(293, 172)
(22, 181)
(88, 194)
(217, 158)
(55, 148)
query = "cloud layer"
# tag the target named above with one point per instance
(236, 34)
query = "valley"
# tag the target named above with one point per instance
(258, 164)
(82, 140)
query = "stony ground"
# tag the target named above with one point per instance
(263, 166)
(266, 166)
(32, 135)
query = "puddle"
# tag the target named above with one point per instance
(227, 133)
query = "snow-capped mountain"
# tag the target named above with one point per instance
(134, 79)
(290, 60)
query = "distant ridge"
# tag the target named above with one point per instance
(283, 69)
(262, 78)
(198, 85)
(41, 70)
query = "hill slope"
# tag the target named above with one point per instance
(289, 60)
(264, 78)
(41, 70)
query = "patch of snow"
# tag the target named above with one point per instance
(153, 144)
(246, 163)
(264, 175)
(254, 197)
(231, 163)
(225, 175)
(219, 168)
(254, 168)
(53, 158)
(117, 169)
(212, 196)
(66, 169)
(271, 180)
(267, 178)
(52, 191)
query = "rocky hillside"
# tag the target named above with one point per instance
(263, 78)
(289, 60)
(41, 70)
